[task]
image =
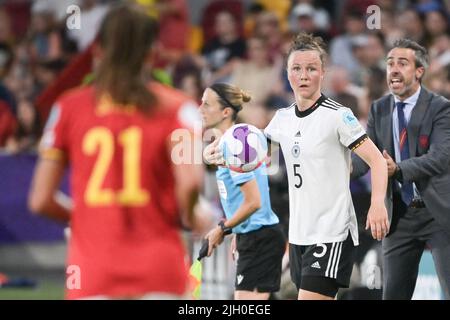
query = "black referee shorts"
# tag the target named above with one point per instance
(322, 268)
(259, 259)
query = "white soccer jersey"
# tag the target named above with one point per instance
(316, 145)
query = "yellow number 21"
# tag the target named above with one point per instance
(101, 139)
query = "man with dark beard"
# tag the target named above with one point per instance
(411, 126)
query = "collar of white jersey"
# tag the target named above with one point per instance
(310, 110)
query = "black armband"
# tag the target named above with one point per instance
(226, 230)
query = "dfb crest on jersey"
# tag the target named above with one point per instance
(295, 150)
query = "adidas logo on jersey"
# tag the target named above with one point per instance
(298, 134)
(316, 265)
(240, 278)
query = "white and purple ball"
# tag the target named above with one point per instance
(244, 147)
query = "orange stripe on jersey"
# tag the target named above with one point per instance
(52, 154)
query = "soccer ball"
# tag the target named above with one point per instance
(244, 147)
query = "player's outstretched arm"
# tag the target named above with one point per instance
(377, 218)
(44, 197)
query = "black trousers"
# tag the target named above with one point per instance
(412, 230)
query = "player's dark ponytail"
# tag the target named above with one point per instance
(126, 36)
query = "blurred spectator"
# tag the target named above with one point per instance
(19, 80)
(376, 83)
(410, 23)
(436, 24)
(45, 41)
(339, 84)
(389, 28)
(6, 60)
(375, 50)
(439, 53)
(174, 28)
(57, 7)
(6, 35)
(280, 8)
(268, 27)
(7, 104)
(320, 16)
(368, 51)
(359, 46)
(7, 124)
(19, 12)
(251, 16)
(187, 77)
(27, 133)
(223, 50)
(256, 75)
(447, 6)
(350, 7)
(374, 88)
(424, 6)
(437, 74)
(213, 8)
(45, 73)
(92, 13)
(258, 116)
(191, 85)
(437, 81)
(54, 13)
(389, 6)
(304, 19)
(446, 89)
(283, 90)
(341, 52)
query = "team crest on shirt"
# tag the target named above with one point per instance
(349, 119)
(295, 150)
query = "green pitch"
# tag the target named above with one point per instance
(42, 291)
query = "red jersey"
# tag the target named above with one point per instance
(125, 225)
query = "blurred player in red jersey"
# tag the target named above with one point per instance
(129, 198)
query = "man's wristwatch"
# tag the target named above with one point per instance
(226, 230)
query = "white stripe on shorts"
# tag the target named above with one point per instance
(336, 264)
(330, 259)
